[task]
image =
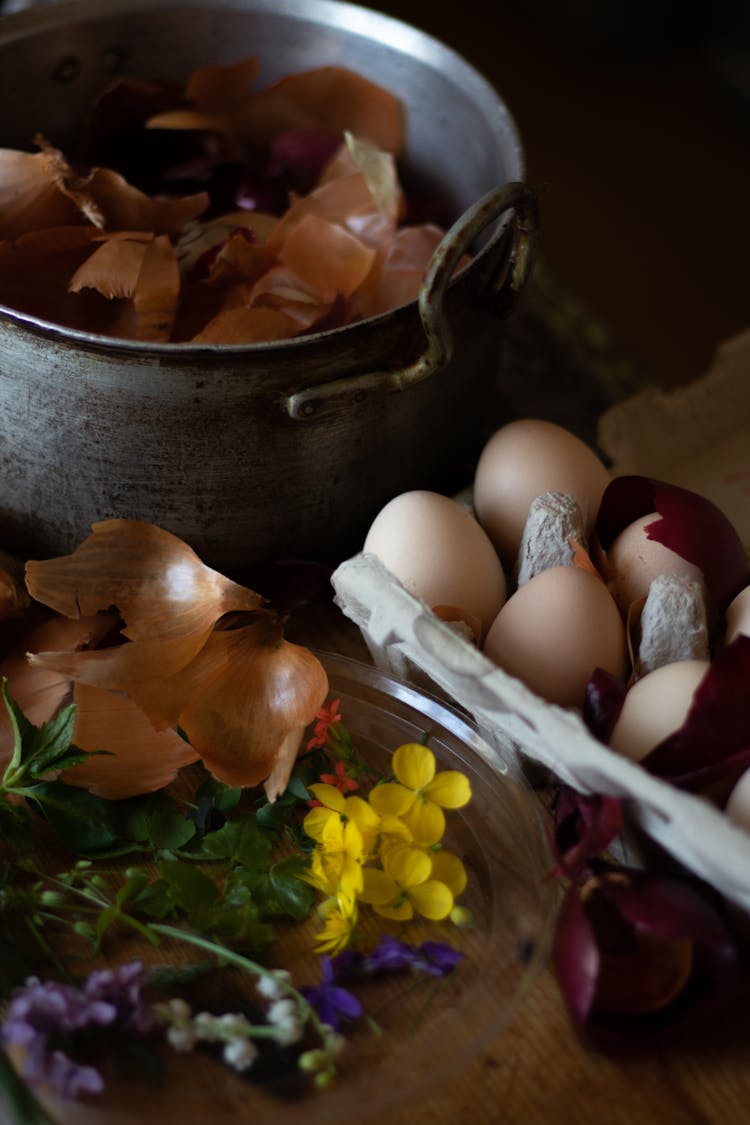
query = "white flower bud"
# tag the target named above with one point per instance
(178, 1009)
(206, 1026)
(288, 1032)
(232, 1024)
(281, 1011)
(181, 1038)
(240, 1053)
(272, 985)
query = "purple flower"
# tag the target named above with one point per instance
(122, 989)
(332, 1003)
(68, 1078)
(392, 955)
(348, 966)
(438, 958)
(44, 1016)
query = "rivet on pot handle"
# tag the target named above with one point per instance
(312, 401)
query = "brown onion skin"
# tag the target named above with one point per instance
(690, 525)
(676, 963)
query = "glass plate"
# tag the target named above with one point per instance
(428, 1026)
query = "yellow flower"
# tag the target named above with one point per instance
(340, 917)
(336, 863)
(334, 806)
(448, 869)
(392, 835)
(419, 794)
(404, 886)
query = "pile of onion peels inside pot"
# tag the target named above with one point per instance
(217, 212)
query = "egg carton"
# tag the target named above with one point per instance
(712, 456)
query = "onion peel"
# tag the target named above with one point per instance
(243, 702)
(584, 827)
(690, 525)
(138, 758)
(39, 692)
(328, 97)
(713, 744)
(168, 599)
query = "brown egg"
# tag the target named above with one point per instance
(738, 617)
(555, 631)
(738, 805)
(655, 707)
(436, 548)
(634, 561)
(522, 461)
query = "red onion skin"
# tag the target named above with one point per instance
(690, 525)
(713, 744)
(663, 910)
(585, 826)
(603, 703)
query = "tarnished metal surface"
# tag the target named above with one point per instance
(205, 441)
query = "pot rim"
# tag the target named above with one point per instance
(339, 14)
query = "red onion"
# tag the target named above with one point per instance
(638, 954)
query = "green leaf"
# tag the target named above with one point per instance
(191, 888)
(293, 895)
(104, 921)
(271, 817)
(156, 821)
(15, 827)
(239, 841)
(23, 732)
(85, 823)
(155, 900)
(297, 788)
(37, 751)
(213, 797)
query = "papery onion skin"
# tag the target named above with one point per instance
(169, 600)
(243, 702)
(605, 695)
(585, 825)
(690, 525)
(639, 955)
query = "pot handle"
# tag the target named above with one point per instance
(505, 290)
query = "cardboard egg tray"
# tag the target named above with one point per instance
(697, 437)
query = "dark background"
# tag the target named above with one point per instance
(635, 118)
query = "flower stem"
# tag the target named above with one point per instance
(21, 1103)
(307, 1012)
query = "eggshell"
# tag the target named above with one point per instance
(555, 631)
(634, 560)
(655, 707)
(436, 548)
(738, 616)
(523, 460)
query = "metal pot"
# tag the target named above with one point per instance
(274, 450)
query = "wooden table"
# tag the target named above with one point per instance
(642, 173)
